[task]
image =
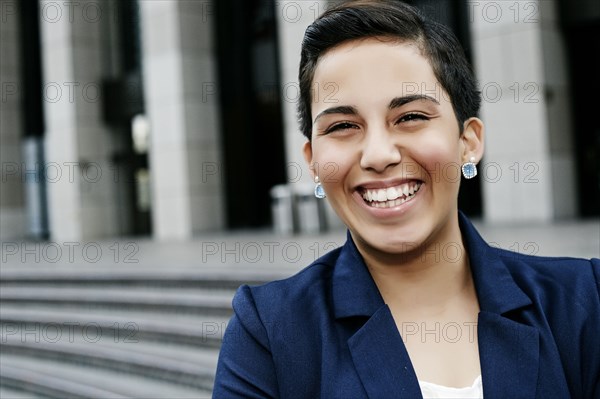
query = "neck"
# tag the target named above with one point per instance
(426, 279)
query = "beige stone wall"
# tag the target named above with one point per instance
(12, 206)
(528, 168)
(182, 105)
(82, 189)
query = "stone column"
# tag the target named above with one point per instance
(558, 101)
(182, 106)
(80, 180)
(528, 167)
(293, 17)
(12, 206)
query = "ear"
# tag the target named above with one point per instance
(472, 140)
(307, 152)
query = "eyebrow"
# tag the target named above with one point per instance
(400, 101)
(394, 103)
(342, 109)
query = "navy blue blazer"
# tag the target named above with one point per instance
(327, 333)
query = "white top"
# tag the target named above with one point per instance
(431, 390)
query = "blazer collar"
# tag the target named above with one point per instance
(508, 350)
(356, 294)
(497, 291)
(354, 291)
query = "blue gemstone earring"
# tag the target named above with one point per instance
(469, 169)
(319, 191)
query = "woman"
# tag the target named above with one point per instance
(415, 303)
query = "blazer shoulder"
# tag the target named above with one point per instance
(563, 266)
(279, 299)
(577, 277)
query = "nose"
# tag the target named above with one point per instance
(380, 151)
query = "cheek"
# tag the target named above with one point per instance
(331, 163)
(440, 158)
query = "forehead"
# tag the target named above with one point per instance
(373, 69)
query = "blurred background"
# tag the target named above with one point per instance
(151, 163)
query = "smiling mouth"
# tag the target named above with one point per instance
(391, 196)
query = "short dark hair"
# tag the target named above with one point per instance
(398, 21)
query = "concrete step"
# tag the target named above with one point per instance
(227, 251)
(204, 331)
(183, 278)
(199, 301)
(9, 393)
(183, 365)
(108, 333)
(54, 378)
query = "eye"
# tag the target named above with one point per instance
(413, 116)
(340, 126)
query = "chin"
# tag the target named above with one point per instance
(392, 241)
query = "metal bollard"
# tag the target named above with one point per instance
(310, 210)
(282, 209)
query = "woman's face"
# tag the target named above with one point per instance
(386, 144)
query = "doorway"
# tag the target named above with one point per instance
(251, 121)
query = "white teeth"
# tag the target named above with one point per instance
(392, 193)
(391, 196)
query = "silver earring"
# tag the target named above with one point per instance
(469, 169)
(319, 191)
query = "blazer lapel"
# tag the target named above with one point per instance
(378, 353)
(508, 350)
(509, 354)
(381, 359)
